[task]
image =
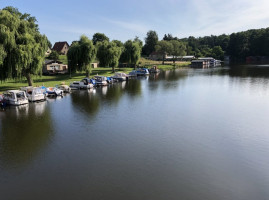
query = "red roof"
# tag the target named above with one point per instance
(58, 46)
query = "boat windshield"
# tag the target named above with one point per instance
(20, 95)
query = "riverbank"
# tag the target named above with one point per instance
(49, 81)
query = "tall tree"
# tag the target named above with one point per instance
(81, 54)
(54, 55)
(22, 47)
(108, 54)
(131, 53)
(99, 37)
(150, 42)
(178, 49)
(164, 47)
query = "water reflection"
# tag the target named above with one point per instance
(86, 101)
(25, 131)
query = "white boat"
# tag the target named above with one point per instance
(101, 80)
(85, 83)
(119, 76)
(34, 93)
(53, 91)
(64, 88)
(15, 97)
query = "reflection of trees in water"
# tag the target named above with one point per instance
(86, 101)
(133, 87)
(168, 79)
(25, 130)
(89, 101)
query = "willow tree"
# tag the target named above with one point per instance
(108, 54)
(81, 54)
(131, 53)
(22, 47)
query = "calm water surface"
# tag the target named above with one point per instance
(184, 134)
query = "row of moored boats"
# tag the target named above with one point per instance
(34, 94)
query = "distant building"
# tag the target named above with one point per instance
(47, 53)
(94, 65)
(52, 67)
(61, 47)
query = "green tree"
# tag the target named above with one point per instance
(81, 54)
(178, 49)
(131, 52)
(218, 53)
(99, 37)
(150, 42)
(108, 54)
(22, 47)
(164, 47)
(54, 55)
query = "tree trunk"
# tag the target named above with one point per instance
(88, 72)
(113, 69)
(163, 59)
(29, 80)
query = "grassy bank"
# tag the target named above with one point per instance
(49, 81)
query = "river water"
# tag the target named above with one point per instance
(183, 134)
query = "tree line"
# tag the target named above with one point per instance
(22, 47)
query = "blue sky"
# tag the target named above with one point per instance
(66, 20)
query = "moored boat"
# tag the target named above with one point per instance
(119, 76)
(15, 97)
(34, 93)
(53, 91)
(85, 83)
(101, 80)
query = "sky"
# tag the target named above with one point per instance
(67, 20)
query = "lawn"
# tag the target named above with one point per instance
(49, 81)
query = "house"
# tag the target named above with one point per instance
(52, 67)
(61, 47)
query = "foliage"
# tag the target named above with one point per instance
(164, 47)
(22, 47)
(131, 53)
(54, 55)
(81, 54)
(150, 42)
(108, 54)
(217, 53)
(99, 37)
(178, 49)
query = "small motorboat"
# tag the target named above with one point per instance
(34, 93)
(154, 70)
(119, 76)
(85, 83)
(142, 72)
(64, 88)
(53, 91)
(101, 80)
(15, 97)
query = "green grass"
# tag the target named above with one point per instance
(50, 81)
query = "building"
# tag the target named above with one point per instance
(200, 63)
(61, 47)
(52, 67)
